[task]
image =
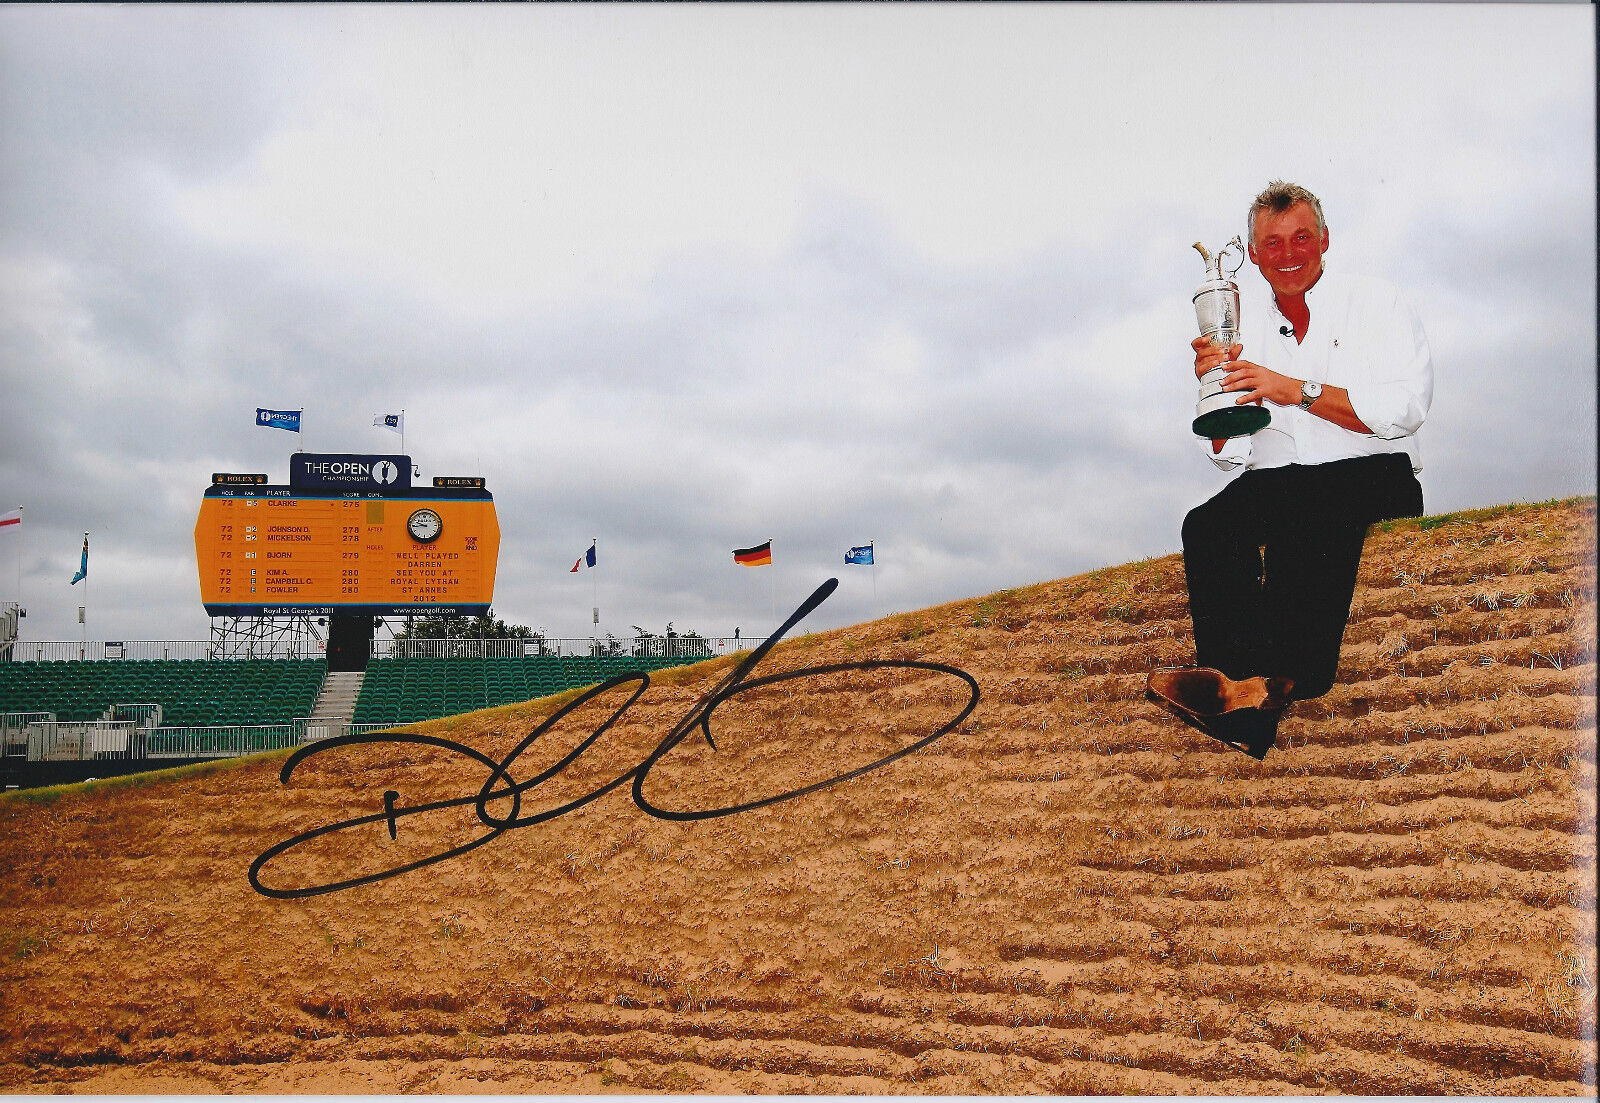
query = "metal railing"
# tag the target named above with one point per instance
(79, 741)
(47, 651)
(14, 731)
(668, 647)
(39, 737)
(330, 727)
(145, 713)
(222, 740)
(84, 741)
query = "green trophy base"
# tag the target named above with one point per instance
(1234, 421)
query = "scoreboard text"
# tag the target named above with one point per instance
(283, 551)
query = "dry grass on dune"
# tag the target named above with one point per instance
(1070, 893)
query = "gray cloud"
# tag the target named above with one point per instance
(989, 420)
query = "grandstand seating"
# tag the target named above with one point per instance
(194, 692)
(190, 692)
(405, 691)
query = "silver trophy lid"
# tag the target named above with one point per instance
(1214, 263)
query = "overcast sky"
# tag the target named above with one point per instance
(686, 278)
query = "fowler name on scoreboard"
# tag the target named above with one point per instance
(292, 551)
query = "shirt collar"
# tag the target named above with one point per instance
(1312, 292)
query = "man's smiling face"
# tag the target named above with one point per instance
(1288, 249)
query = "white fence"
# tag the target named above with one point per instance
(222, 740)
(653, 647)
(656, 647)
(47, 651)
(14, 731)
(50, 741)
(53, 741)
(39, 737)
(329, 729)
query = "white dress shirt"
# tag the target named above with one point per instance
(1363, 337)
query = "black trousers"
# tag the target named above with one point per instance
(1271, 564)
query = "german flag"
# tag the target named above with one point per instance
(758, 556)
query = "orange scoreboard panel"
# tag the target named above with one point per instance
(286, 551)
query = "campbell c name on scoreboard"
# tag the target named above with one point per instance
(295, 551)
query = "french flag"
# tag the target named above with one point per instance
(584, 560)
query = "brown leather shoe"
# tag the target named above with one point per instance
(1250, 730)
(1206, 692)
(1242, 714)
(1193, 719)
(1196, 690)
(1271, 694)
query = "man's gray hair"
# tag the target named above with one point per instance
(1278, 197)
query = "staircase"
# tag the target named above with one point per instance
(335, 704)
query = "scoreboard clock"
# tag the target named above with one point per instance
(266, 550)
(425, 526)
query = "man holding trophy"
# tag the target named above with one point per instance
(1316, 393)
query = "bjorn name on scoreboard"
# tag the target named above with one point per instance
(349, 534)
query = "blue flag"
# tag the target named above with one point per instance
(859, 556)
(83, 567)
(279, 419)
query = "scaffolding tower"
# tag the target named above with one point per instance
(266, 638)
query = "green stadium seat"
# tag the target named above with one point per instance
(189, 691)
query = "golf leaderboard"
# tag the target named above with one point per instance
(265, 550)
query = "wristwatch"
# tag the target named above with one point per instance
(1310, 391)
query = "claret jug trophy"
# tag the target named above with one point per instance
(1216, 308)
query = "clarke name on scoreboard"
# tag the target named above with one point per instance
(269, 550)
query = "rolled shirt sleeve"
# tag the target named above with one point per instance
(1393, 396)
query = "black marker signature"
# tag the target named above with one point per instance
(499, 773)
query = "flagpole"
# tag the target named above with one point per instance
(83, 622)
(873, 551)
(402, 430)
(774, 588)
(594, 577)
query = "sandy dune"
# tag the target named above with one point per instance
(1068, 893)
